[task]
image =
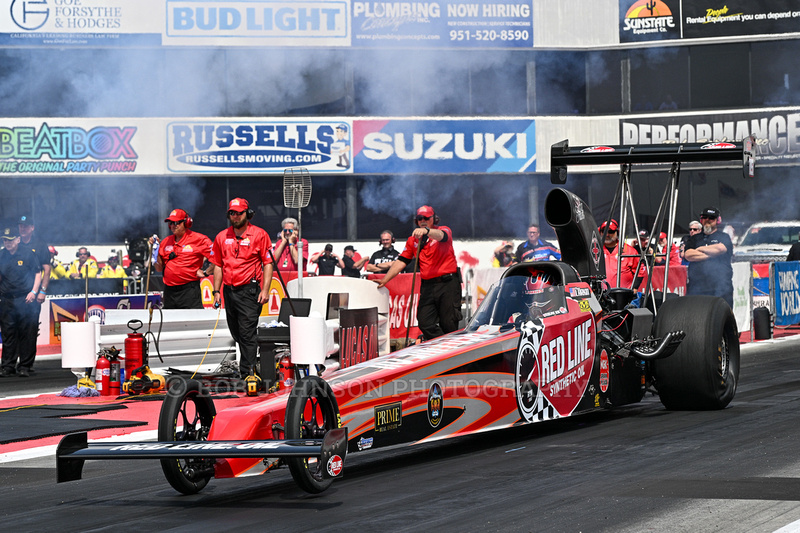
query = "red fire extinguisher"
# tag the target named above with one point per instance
(102, 376)
(135, 351)
(286, 373)
(114, 378)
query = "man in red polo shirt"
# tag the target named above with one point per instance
(243, 269)
(181, 257)
(439, 309)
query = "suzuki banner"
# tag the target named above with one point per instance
(439, 146)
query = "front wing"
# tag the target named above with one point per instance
(74, 450)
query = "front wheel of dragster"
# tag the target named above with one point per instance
(311, 412)
(703, 372)
(186, 415)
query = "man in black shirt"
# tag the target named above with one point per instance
(709, 255)
(352, 267)
(20, 281)
(327, 261)
(381, 261)
(30, 241)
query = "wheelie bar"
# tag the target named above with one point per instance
(74, 450)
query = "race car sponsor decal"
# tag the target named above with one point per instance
(335, 465)
(553, 368)
(580, 292)
(604, 371)
(435, 405)
(388, 417)
(715, 146)
(531, 404)
(585, 305)
(597, 149)
(595, 247)
(364, 443)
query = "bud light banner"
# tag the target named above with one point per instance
(787, 292)
(444, 146)
(234, 147)
(777, 132)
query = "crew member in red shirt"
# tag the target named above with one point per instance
(181, 258)
(243, 270)
(439, 309)
(611, 250)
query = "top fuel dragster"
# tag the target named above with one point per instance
(550, 340)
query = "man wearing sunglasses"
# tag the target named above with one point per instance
(439, 309)
(694, 228)
(84, 266)
(182, 257)
(709, 254)
(243, 271)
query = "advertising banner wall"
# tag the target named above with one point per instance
(447, 23)
(81, 147)
(777, 131)
(444, 146)
(655, 20)
(787, 292)
(98, 23)
(259, 146)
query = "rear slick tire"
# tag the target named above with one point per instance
(186, 415)
(703, 372)
(311, 412)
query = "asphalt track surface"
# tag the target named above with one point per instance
(637, 468)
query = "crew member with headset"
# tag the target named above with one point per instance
(243, 271)
(182, 257)
(439, 309)
(382, 260)
(84, 266)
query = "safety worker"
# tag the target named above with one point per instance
(243, 272)
(57, 270)
(112, 269)
(183, 258)
(84, 266)
(20, 282)
(439, 309)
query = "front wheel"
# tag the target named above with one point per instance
(703, 372)
(311, 412)
(186, 415)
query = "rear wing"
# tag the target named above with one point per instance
(562, 155)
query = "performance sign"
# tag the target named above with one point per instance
(448, 23)
(777, 132)
(444, 146)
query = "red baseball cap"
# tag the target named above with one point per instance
(52, 250)
(238, 204)
(612, 226)
(425, 211)
(662, 235)
(176, 215)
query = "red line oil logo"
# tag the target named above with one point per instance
(565, 364)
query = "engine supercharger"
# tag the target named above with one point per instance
(135, 348)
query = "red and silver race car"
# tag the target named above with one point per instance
(550, 340)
